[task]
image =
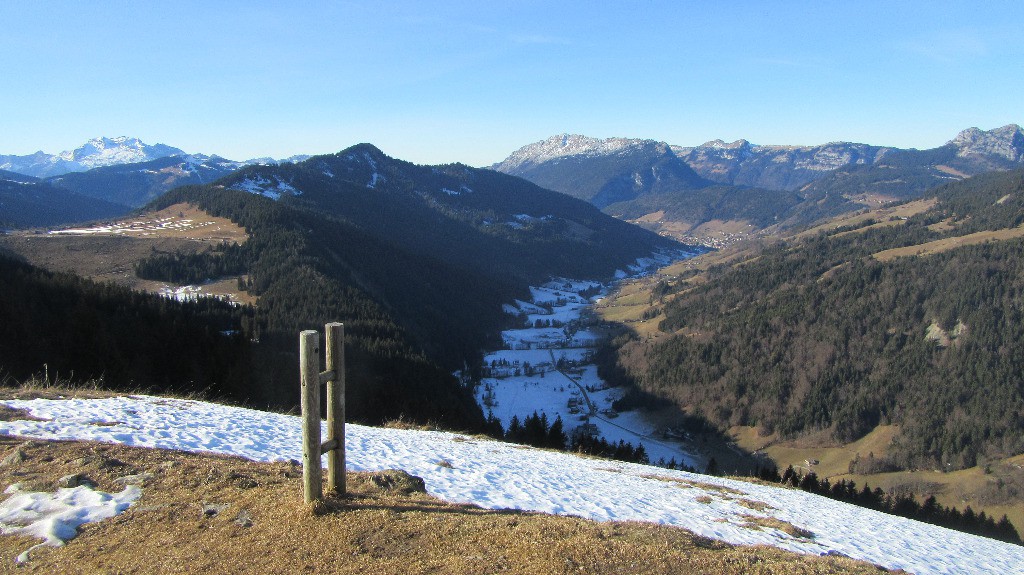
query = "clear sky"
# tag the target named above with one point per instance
(437, 82)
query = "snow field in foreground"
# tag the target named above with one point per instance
(498, 475)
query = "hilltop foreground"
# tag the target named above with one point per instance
(181, 521)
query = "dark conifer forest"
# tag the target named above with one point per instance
(819, 334)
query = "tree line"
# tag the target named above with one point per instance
(903, 504)
(537, 431)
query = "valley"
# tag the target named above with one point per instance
(441, 270)
(718, 193)
(547, 369)
(657, 288)
(988, 482)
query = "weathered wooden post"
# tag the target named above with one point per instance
(336, 408)
(311, 379)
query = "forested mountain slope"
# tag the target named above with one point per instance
(838, 332)
(62, 326)
(410, 320)
(503, 226)
(28, 202)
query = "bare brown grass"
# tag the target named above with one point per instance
(759, 523)
(111, 255)
(210, 514)
(946, 244)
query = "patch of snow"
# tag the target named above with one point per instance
(193, 293)
(547, 363)
(261, 186)
(137, 227)
(55, 517)
(374, 179)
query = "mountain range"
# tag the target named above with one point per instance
(467, 216)
(679, 191)
(95, 153)
(102, 152)
(714, 193)
(418, 262)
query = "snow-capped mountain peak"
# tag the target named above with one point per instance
(95, 153)
(565, 145)
(112, 151)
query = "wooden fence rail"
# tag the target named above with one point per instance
(312, 378)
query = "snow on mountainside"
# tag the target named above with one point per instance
(497, 475)
(773, 167)
(273, 189)
(95, 153)
(110, 151)
(565, 145)
(102, 152)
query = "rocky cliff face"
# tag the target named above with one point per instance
(1006, 143)
(741, 163)
(602, 171)
(567, 145)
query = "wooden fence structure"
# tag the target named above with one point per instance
(312, 378)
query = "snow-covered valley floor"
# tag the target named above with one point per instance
(546, 369)
(499, 475)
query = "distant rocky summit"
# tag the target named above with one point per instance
(602, 171)
(774, 167)
(1006, 142)
(95, 153)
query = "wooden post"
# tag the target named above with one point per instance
(336, 407)
(312, 378)
(309, 364)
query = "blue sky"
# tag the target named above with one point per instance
(437, 82)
